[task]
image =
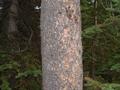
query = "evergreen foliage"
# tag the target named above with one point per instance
(20, 60)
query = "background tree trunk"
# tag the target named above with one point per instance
(61, 45)
(13, 12)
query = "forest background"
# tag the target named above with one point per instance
(20, 54)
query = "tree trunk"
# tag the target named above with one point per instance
(61, 45)
(13, 17)
(95, 12)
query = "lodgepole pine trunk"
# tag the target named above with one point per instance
(61, 45)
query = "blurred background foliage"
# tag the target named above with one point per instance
(20, 58)
(101, 44)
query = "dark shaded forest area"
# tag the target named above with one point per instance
(20, 44)
(20, 60)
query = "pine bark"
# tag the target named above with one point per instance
(61, 45)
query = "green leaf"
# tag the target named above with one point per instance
(33, 73)
(5, 85)
(116, 67)
(91, 31)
